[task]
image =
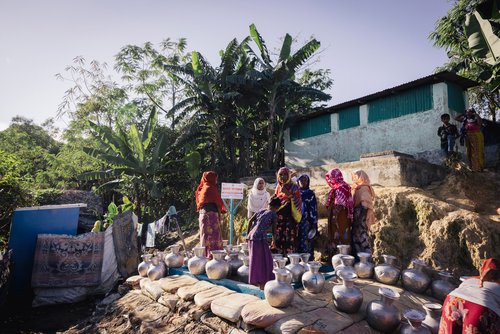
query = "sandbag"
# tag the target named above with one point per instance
(204, 298)
(328, 322)
(169, 300)
(188, 292)
(229, 307)
(305, 304)
(261, 314)
(151, 289)
(134, 281)
(292, 324)
(171, 284)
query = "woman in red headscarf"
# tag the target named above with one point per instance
(290, 213)
(210, 205)
(340, 210)
(474, 307)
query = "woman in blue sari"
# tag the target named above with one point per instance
(309, 219)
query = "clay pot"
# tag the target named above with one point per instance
(312, 280)
(196, 264)
(414, 325)
(443, 286)
(343, 250)
(295, 268)
(415, 279)
(143, 267)
(157, 269)
(346, 297)
(217, 268)
(278, 292)
(364, 268)
(386, 272)
(432, 317)
(381, 314)
(244, 270)
(174, 259)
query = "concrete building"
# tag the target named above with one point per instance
(404, 118)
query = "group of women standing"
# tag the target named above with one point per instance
(292, 214)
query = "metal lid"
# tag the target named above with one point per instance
(389, 293)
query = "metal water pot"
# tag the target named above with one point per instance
(234, 262)
(174, 259)
(196, 264)
(364, 268)
(244, 250)
(304, 257)
(415, 279)
(343, 250)
(312, 280)
(279, 262)
(244, 270)
(432, 317)
(279, 293)
(217, 268)
(143, 267)
(157, 269)
(381, 314)
(443, 286)
(386, 272)
(346, 265)
(414, 325)
(295, 268)
(346, 297)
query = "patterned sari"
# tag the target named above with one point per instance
(340, 211)
(289, 215)
(309, 217)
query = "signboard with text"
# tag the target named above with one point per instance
(232, 190)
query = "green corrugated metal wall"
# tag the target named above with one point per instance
(311, 127)
(455, 97)
(404, 103)
(349, 118)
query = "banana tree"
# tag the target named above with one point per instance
(279, 88)
(136, 158)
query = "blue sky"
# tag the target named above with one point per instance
(368, 45)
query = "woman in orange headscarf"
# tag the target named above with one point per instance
(474, 307)
(289, 214)
(363, 218)
(210, 205)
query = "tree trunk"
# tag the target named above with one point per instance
(270, 131)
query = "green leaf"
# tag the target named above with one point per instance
(286, 47)
(136, 143)
(149, 128)
(257, 38)
(195, 62)
(302, 55)
(112, 210)
(482, 40)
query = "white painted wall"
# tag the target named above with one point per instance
(414, 134)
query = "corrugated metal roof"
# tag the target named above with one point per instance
(464, 83)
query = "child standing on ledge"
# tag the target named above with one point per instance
(260, 259)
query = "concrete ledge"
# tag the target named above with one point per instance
(388, 169)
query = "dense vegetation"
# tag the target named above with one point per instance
(170, 116)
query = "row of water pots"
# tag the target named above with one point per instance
(384, 316)
(155, 266)
(414, 279)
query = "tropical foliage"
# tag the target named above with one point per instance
(470, 33)
(148, 136)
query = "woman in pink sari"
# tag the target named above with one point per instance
(340, 211)
(210, 206)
